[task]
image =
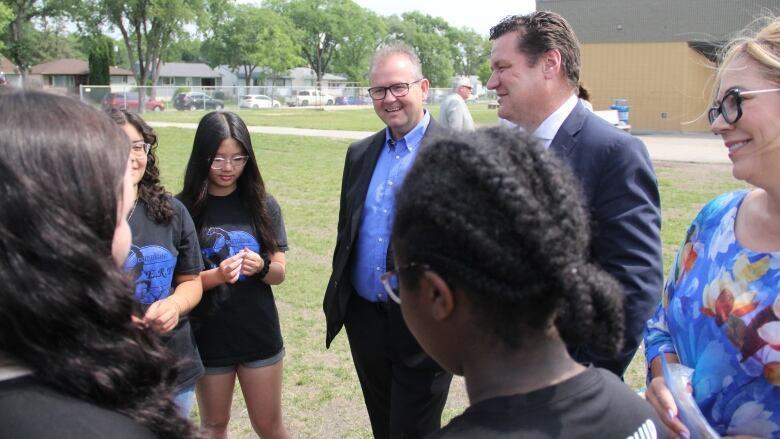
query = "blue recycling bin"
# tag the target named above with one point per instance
(621, 105)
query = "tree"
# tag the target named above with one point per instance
(6, 16)
(21, 38)
(148, 29)
(470, 51)
(428, 36)
(328, 26)
(185, 49)
(353, 55)
(252, 37)
(101, 58)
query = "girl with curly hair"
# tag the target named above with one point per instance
(164, 258)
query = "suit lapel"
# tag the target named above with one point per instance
(566, 138)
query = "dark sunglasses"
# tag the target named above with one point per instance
(730, 105)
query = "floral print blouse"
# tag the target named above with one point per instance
(720, 313)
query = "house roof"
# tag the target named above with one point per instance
(622, 21)
(67, 66)
(6, 66)
(184, 69)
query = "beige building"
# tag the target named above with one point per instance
(659, 55)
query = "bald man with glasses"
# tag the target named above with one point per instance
(404, 389)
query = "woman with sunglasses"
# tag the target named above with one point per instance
(164, 259)
(720, 312)
(242, 240)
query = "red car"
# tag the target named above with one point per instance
(129, 101)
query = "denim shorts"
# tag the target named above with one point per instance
(270, 361)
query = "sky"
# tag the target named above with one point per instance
(479, 15)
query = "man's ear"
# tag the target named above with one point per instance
(437, 296)
(551, 63)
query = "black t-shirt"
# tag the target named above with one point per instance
(593, 404)
(160, 252)
(237, 322)
(29, 409)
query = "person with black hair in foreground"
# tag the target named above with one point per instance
(72, 362)
(491, 250)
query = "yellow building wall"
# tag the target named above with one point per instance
(667, 84)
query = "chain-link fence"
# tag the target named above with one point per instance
(237, 98)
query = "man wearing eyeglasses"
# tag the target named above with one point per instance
(535, 62)
(404, 389)
(454, 113)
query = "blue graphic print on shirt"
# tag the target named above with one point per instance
(219, 244)
(152, 269)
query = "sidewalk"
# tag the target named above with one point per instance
(692, 148)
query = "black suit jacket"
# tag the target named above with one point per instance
(621, 191)
(358, 168)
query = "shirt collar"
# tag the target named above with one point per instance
(547, 130)
(413, 138)
(9, 370)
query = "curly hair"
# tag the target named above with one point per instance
(150, 190)
(540, 32)
(501, 219)
(65, 306)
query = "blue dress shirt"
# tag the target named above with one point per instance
(373, 238)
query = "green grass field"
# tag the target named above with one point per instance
(321, 394)
(329, 118)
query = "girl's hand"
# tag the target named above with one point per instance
(230, 268)
(253, 263)
(659, 396)
(163, 315)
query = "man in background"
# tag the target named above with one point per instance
(454, 113)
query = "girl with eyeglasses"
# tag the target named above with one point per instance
(720, 311)
(242, 240)
(164, 258)
(72, 361)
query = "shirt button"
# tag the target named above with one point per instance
(380, 239)
(397, 157)
(389, 183)
(384, 210)
(377, 268)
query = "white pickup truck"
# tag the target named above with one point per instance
(310, 96)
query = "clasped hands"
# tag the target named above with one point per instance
(244, 262)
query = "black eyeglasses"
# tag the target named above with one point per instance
(390, 279)
(140, 149)
(730, 105)
(398, 90)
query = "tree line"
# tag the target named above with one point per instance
(334, 36)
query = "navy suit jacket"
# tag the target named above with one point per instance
(621, 192)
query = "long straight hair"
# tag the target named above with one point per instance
(65, 305)
(214, 128)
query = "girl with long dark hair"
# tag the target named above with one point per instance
(243, 240)
(72, 361)
(164, 258)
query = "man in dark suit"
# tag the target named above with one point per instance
(404, 390)
(535, 63)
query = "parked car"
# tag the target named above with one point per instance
(310, 97)
(196, 100)
(258, 101)
(353, 100)
(129, 101)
